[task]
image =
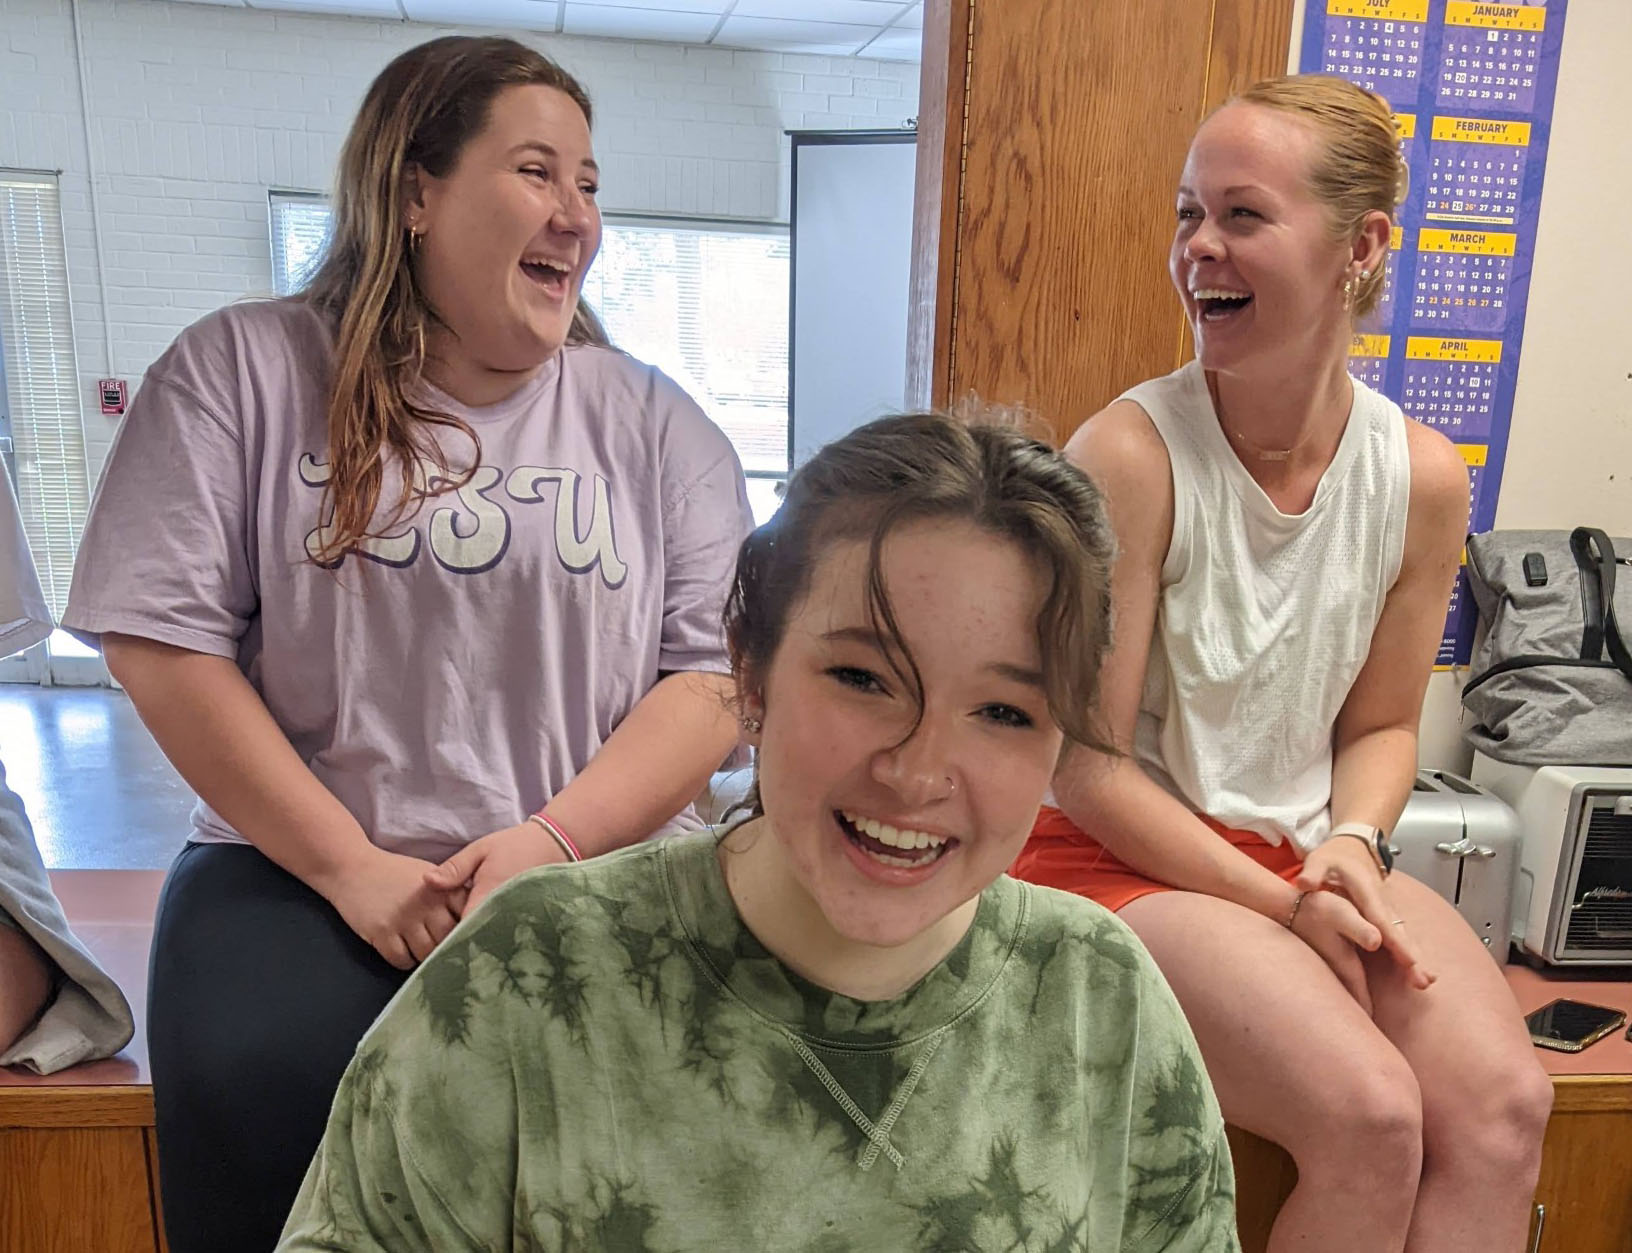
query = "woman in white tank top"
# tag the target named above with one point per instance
(1288, 542)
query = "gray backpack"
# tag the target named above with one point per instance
(1552, 678)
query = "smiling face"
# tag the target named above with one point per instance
(508, 234)
(1253, 256)
(885, 828)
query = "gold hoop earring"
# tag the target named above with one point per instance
(414, 234)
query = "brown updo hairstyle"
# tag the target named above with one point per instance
(927, 467)
(1358, 168)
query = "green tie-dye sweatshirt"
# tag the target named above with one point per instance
(604, 1058)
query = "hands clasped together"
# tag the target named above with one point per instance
(1346, 911)
(404, 907)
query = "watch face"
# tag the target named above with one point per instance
(1385, 854)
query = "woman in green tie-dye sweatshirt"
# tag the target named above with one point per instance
(839, 1027)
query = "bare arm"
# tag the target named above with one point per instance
(219, 735)
(1375, 740)
(652, 766)
(223, 741)
(1113, 798)
(25, 983)
(1374, 743)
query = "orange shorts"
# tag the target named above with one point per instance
(1058, 855)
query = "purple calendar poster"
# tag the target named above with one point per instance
(1471, 86)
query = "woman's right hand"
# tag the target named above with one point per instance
(384, 898)
(1335, 929)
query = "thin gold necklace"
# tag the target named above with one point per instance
(1262, 453)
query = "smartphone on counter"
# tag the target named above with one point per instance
(1569, 1026)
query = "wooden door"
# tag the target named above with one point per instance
(1051, 134)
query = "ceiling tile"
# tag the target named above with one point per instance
(783, 35)
(626, 23)
(353, 8)
(712, 7)
(857, 12)
(515, 14)
(897, 45)
(885, 29)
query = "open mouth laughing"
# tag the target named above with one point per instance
(902, 848)
(550, 273)
(1219, 304)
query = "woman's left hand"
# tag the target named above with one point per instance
(493, 860)
(1345, 866)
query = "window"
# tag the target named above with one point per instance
(705, 302)
(300, 231)
(42, 435)
(41, 375)
(707, 305)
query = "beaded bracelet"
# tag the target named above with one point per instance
(558, 835)
(1296, 905)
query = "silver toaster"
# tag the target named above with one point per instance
(1463, 842)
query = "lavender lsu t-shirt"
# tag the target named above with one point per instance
(461, 670)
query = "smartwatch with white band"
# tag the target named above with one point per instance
(1375, 840)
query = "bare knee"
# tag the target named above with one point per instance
(1498, 1118)
(1366, 1131)
(1531, 1102)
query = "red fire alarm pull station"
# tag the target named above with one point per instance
(113, 395)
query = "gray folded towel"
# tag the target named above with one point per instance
(89, 1016)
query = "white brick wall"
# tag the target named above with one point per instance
(196, 112)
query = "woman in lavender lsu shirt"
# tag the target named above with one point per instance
(385, 568)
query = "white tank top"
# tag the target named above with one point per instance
(1264, 618)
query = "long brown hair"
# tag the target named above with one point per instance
(421, 111)
(915, 467)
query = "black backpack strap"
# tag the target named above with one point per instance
(1593, 596)
(1597, 546)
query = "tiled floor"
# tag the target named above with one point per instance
(99, 793)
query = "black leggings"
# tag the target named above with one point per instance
(258, 994)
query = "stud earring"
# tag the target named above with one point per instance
(752, 725)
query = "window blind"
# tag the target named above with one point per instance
(42, 378)
(300, 232)
(708, 306)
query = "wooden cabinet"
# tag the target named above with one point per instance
(1585, 1192)
(1264, 1178)
(77, 1170)
(1583, 1199)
